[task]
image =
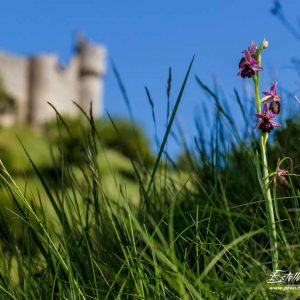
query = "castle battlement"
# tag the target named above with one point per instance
(35, 80)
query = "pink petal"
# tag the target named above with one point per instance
(273, 88)
(257, 68)
(252, 61)
(259, 116)
(265, 110)
(248, 56)
(239, 73)
(272, 116)
(275, 124)
(282, 172)
(267, 93)
(252, 48)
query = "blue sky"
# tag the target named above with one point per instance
(144, 38)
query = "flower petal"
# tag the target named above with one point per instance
(282, 172)
(248, 56)
(257, 68)
(252, 48)
(272, 116)
(267, 93)
(273, 88)
(253, 62)
(259, 116)
(275, 124)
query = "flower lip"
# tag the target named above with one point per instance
(266, 126)
(247, 72)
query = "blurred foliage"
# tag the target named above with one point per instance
(126, 138)
(59, 147)
(119, 135)
(69, 141)
(68, 137)
(287, 142)
(12, 154)
(7, 102)
(237, 169)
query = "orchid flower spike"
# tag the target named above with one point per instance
(273, 98)
(265, 123)
(248, 65)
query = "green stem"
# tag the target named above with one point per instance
(256, 85)
(269, 203)
(266, 190)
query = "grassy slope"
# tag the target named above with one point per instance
(199, 235)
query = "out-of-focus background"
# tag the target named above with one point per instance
(145, 39)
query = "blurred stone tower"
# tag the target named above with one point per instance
(34, 81)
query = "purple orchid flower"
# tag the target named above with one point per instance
(265, 123)
(272, 93)
(273, 98)
(248, 65)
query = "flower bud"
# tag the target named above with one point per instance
(265, 44)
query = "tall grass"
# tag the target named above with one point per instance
(199, 230)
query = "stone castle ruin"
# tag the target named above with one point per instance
(33, 81)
